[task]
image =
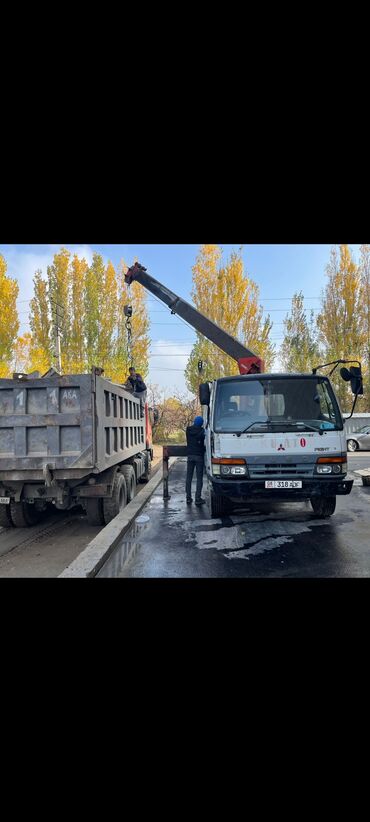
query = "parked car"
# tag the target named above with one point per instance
(359, 440)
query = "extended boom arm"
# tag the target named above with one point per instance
(248, 362)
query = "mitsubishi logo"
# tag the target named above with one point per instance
(281, 447)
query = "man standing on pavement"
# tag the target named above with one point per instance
(195, 435)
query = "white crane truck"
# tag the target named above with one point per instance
(269, 437)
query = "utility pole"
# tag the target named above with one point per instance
(58, 353)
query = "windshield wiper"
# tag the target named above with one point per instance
(257, 422)
(285, 423)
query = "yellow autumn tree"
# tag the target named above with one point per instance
(340, 321)
(21, 353)
(108, 295)
(94, 277)
(225, 294)
(365, 312)
(59, 288)
(76, 354)
(9, 322)
(91, 300)
(40, 350)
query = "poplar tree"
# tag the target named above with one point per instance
(77, 359)
(340, 322)
(299, 350)
(59, 286)
(9, 321)
(41, 346)
(226, 295)
(93, 281)
(364, 268)
(130, 348)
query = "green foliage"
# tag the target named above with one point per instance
(226, 295)
(90, 302)
(340, 322)
(300, 349)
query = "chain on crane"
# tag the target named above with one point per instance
(128, 314)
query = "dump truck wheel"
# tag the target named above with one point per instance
(323, 507)
(219, 505)
(129, 474)
(94, 511)
(118, 500)
(146, 477)
(5, 520)
(23, 514)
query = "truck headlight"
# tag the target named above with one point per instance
(229, 466)
(331, 465)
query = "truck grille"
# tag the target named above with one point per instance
(268, 470)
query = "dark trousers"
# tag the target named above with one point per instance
(194, 461)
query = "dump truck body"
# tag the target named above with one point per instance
(62, 437)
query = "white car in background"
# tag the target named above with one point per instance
(359, 440)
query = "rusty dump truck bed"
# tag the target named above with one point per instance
(77, 425)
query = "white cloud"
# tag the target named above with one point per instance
(81, 250)
(167, 370)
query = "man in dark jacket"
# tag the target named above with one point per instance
(136, 384)
(195, 435)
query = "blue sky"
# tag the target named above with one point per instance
(279, 271)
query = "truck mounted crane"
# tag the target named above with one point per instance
(269, 437)
(249, 363)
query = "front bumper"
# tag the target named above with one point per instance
(255, 489)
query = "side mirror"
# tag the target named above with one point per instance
(155, 416)
(204, 394)
(354, 376)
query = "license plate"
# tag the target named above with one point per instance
(283, 484)
(4, 500)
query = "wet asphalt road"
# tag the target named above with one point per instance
(171, 539)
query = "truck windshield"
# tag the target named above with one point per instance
(276, 404)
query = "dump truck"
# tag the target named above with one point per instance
(269, 437)
(67, 440)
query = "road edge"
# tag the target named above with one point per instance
(97, 552)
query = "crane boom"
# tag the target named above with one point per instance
(248, 362)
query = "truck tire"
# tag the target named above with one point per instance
(24, 515)
(94, 511)
(129, 474)
(146, 477)
(220, 506)
(118, 500)
(323, 507)
(5, 520)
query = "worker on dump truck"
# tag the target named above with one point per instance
(136, 384)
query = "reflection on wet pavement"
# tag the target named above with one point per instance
(280, 539)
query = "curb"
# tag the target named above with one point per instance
(98, 551)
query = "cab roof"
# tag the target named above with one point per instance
(270, 377)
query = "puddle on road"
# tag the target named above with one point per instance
(252, 534)
(126, 550)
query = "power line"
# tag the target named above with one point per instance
(157, 368)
